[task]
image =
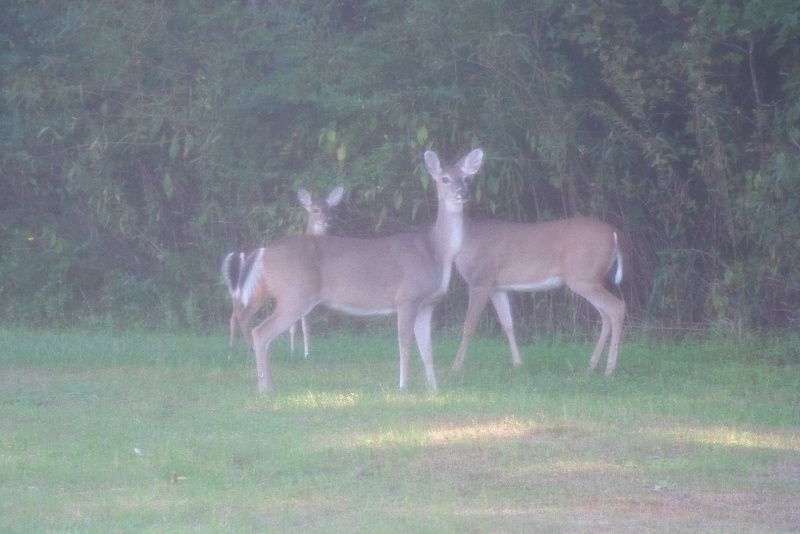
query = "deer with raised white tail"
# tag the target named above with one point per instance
(497, 257)
(405, 273)
(237, 266)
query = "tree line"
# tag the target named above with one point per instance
(141, 141)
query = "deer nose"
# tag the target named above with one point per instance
(462, 194)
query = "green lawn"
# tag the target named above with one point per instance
(159, 432)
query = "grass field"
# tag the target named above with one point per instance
(156, 432)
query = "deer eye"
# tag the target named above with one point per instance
(445, 179)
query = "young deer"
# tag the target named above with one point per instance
(498, 257)
(405, 273)
(237, 265)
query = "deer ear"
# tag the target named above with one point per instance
(433, 165)
(305, 198)
(472, 162)
(335, 196)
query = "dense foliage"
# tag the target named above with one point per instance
(140, 141)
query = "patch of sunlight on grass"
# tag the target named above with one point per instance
(314, 400)
(504, 429)
(733, 437)
(446, 434)
(317, 400)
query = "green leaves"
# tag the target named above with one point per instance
(168, 186)
(162, 129)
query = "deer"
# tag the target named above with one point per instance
(497, 257)
(236, 265)
(405, 274)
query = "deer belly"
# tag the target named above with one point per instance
(359, 310)
(539, 285)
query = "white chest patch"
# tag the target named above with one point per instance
(449, 252)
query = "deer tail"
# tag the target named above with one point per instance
(231, 271)
(251, 276)
(618, 255)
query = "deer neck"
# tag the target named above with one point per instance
(316, 228)
(447, 233)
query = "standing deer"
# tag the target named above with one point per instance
(498, 257)
(405, 273)
(237, 265)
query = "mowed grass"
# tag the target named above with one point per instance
(154, 432)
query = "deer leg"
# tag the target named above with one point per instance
(478, 296)
(244, 325)
(605, 330)
(233, 324)
(612, 313)
(616, 310)
(278, 322)
(306, 337)
(241, 317)
(422, 331)
(292, 330)
(405, 333)
(503, 309)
